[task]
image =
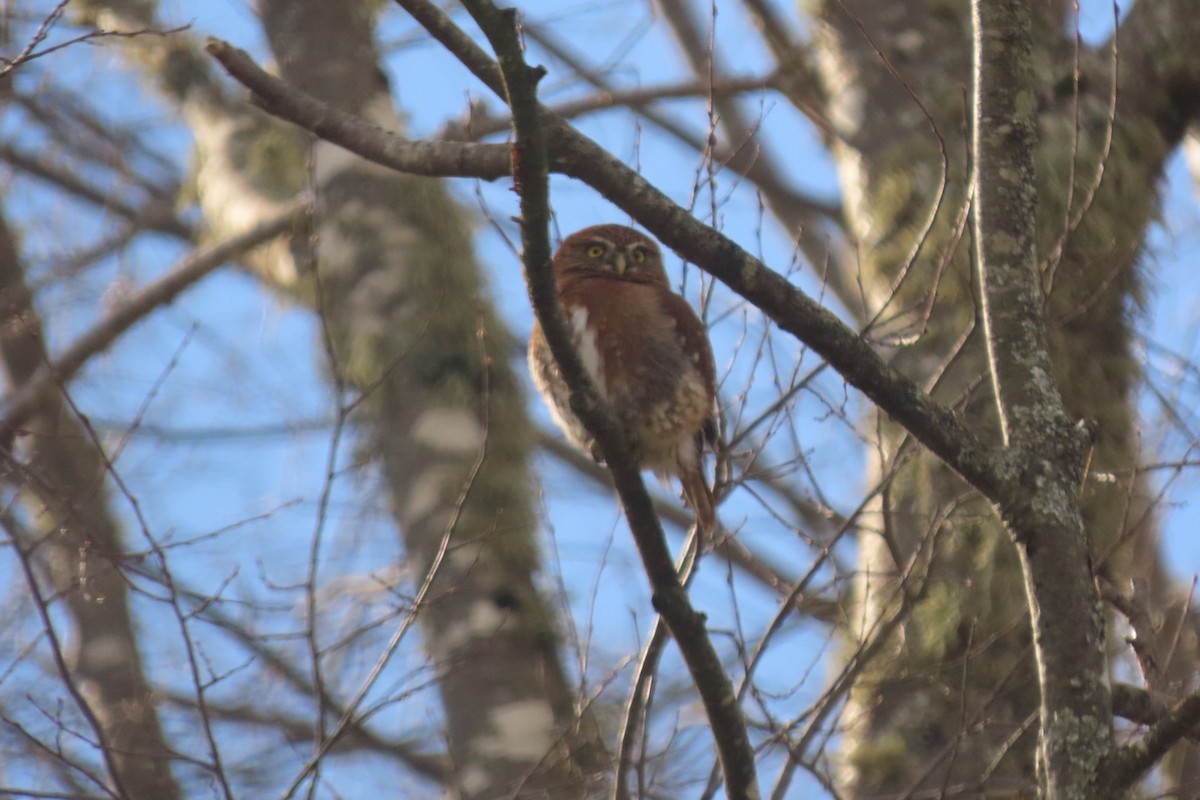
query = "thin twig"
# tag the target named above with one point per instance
(570, 153)
(687, 626)
(29, 398)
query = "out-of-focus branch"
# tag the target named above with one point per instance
(615, 97)
(357, 734)
(796, 76)
(1164, 68)
(608, 95)
(61, 478)
(700, 52)
(298, 731)
(21, 540)
(30, 396)
(155, 217)
(735, 552)
(1143, 639)
(79, 131)
(436, 159)
(812, 222)
(1146, 708)
(1132, 761)
(1191, 151)
(1168, 724)
(795, 207)
(811, 231)
(31, 49)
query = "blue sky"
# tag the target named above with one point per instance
(228, 355)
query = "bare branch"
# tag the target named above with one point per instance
(1130, 762)
(487, 161)
(571, 153)
(1146, 708)
(153, 217)
(31, 52)
(794, 209)
(21, 540)
(796, 76)
(670, 599)
(29, 398)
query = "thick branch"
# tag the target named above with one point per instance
(1145, 708)
(1046, 453)
(1160, 59)
(571, 153)
(1129, 763)
(435, 159)
(530, 174)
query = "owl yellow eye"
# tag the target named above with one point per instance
(639, 255)
(594, 251)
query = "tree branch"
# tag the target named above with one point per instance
(1160, 55)
(1144, 707)
(435, 159)
(1130, 762)
(688, 627)
(57, 476)
(571, 153)
(152, 216)
(30, 396)
(796, 211)
(1045, 452)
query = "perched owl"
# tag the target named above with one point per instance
(646, 351)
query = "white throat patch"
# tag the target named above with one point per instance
(585, 343)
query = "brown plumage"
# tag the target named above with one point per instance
(645, 349)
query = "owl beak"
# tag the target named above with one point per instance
(619, 263)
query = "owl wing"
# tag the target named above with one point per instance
(550, 384)
(694, 335)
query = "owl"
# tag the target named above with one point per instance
(646, 351)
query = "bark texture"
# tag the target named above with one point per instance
(952, 706)
(78, 547)
(410, 328)
(1047, 454)
(410, 324)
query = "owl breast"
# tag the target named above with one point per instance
(641, 363)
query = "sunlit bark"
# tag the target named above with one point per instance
(915, 721)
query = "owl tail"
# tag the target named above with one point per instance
(699, 497)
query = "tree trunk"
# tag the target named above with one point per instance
(411, 326)
(411, 329)
(951, 704)
(76, 543)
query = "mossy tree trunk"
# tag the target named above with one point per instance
(74, 552)
(952, 702)
(411, 331)
(411, 325)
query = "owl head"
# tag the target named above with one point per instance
(611, 251)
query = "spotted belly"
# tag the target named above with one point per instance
(658, 396)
